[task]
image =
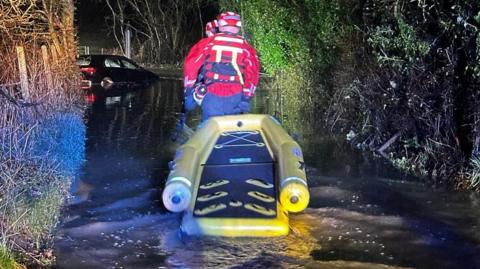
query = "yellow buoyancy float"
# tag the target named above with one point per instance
(237, 176)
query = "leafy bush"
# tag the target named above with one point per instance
(400, 48)
(61, 139)
(416, 65)
(422, 84)
(296, 43)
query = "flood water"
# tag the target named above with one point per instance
(359, 216)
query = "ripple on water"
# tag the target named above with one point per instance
(117, 221)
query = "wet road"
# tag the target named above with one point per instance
(356, 218)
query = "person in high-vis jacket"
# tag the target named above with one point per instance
(221, 72)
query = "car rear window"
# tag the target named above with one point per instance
(112, 62)
(84, 60)
(129, 64)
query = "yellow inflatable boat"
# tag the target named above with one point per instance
(237, 176)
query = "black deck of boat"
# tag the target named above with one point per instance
(238, 179)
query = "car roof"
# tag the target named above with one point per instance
(99, 56)
(97, 59)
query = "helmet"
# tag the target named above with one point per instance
(211, 28)
(229, 19)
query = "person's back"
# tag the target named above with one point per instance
(221, 71)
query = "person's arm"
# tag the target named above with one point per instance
(252, 69)
(193, 62)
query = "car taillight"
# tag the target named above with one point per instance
(90, 98)
(88, 70)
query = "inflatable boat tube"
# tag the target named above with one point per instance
(237, 176)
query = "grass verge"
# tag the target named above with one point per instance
(7, 261)
(30, 208)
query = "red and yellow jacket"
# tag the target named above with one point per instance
(226, 64)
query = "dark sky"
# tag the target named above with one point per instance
(93, 30)
(91, 25)
(90, 12)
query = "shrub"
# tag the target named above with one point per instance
(61, 139)
(296, 43)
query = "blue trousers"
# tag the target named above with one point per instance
(214, 105)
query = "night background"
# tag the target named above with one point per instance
(95, 24)
(93, 30)
(382, 97)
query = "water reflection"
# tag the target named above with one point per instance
(292, 251)
(116, 208)
(355, 219)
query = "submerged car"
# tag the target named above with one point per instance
(112, 71)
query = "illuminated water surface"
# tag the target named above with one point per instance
(359, 216)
